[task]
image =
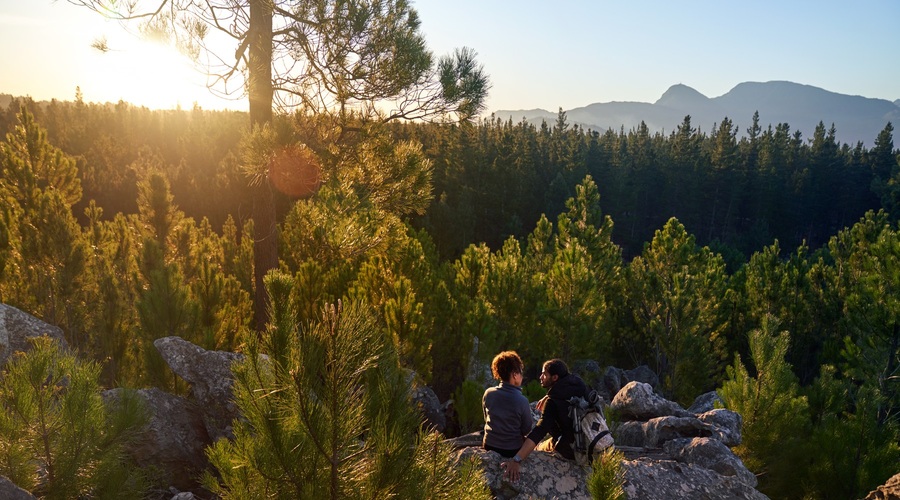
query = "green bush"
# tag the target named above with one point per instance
(327, 415)
(533, 390)
(467, 401)
(57, 438)
(608, 476)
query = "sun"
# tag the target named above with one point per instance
(145, 73)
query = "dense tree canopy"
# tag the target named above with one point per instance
(624, 248)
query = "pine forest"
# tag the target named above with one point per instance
(760, 263)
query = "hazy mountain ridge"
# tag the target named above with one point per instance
(856, 118)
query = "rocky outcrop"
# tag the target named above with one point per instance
(726, 425)
(671, 480)
(655, 432)
(616, 378)
(209, 374)
(9, 491)
(543, 475)
(546, 475)
(670, 453)
(706, 402)
(637, 401)
(426, 401)
(888, 491)
(16, 327)
(173, 440)
(711, 454)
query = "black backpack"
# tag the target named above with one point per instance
(592, 435)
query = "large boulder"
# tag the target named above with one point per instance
(637, 401)
(543, 475)
(706, 402)
(16, 327)
(546, 475)
(614, 379)
(726, 425)
(210, 377)
(9, 491)
(656, 431)
(888, 491)
(426, 401)
(671, 480)
(173, 441)
(712, 454)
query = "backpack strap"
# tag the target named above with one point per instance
(597, 438)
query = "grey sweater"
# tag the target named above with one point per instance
(507, 417)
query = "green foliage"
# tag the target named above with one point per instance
(607, 478)
(327, 415)
(854, 451)
(467, 403)
(676, 297)
(776, 415)
(57, 438)
(867, 279)
(533, 390)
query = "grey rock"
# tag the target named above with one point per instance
(184, 495)
(429, 406)
(726, 425)
(546, 475)
(543, 475)
(9, 491)
(209, 374)
(637, 401)
(706, 402)
(712, 454)
(613, 380)
(174, 439)
(671, 480)
(656, 431)
(16, 327)
(643, 374)
(890, 490)
(473, 439)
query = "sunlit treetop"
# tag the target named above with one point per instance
(364, 56)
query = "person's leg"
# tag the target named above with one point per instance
(503, 453)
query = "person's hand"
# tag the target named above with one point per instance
(539, 406)
(511, 468)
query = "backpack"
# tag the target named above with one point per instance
(592, 435)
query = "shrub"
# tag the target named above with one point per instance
(57, 438)
(608, 476)
(467, 401)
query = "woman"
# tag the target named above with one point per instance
(507, 414)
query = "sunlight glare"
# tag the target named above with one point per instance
(146, 73)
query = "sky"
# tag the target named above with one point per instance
(538, 54)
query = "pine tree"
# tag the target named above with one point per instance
(51, 256)
(776, 415)
(57, 438)
(327, 415)
(676, 297)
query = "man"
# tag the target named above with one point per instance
(555, 419)
(507, 414)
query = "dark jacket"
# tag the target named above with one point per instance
(555, 419)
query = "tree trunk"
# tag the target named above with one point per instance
(259, 89)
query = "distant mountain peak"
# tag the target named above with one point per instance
(679, 95)
(802, 107)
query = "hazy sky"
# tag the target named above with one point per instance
(539, 54)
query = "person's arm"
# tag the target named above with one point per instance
(512, 466)
(540, 430)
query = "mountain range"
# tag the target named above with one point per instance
(802, 107)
